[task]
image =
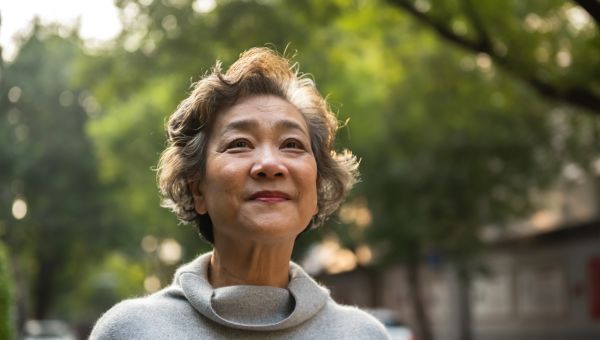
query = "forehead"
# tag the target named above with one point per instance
(268, 110)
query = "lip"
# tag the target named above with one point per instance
(269, 196)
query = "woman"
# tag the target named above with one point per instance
(250, 162)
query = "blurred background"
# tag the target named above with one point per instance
(477, 123)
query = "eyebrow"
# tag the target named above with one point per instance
(252, 124)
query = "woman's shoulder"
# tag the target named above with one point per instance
(134, 316)
(355, 321)
(120, 320)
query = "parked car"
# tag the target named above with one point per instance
(47, 330)
(394, 325)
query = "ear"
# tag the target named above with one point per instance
(199, 201)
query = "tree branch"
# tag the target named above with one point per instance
(575, 95)
(484, 39)
(439, 27)
(592, 7)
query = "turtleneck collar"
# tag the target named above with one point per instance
(259, 308)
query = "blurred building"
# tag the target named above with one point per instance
(543, 286)
(540, 278)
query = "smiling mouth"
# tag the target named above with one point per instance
(269, 196)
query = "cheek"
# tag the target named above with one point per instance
(231, 171)
(224, 172)
(223, 181)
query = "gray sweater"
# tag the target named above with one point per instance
(190, 308)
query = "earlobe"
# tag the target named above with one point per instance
(199, 201)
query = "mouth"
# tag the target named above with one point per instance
(269, 196)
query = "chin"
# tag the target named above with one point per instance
(274, 229)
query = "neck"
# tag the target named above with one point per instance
(254, 263)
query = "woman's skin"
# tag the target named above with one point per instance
(260, 190)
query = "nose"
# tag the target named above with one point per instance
(268, 164)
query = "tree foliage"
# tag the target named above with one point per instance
(48, 165)
(551, 47)
(7, 314)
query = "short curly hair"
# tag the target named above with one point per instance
(258, 71)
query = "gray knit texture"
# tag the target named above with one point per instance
(190, 308)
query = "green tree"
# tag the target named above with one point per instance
(49, 173)
(6, 297)
(551, 46)
(481, 174)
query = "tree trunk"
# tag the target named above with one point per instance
(21, 293)
(43, 289)
(376, 292)
(464, 303)
(423, 326)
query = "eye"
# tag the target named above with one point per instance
(293, 144)
(238, 144)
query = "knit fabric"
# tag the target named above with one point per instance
(190, 308)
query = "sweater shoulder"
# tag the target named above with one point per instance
(118, 321)
(132, 316)
(356, 322)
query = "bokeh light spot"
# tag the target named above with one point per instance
(19, 209)
(149, 243)
(151, 284)
(170, 251)
(14, 94)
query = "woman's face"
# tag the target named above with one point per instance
(260, 181)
